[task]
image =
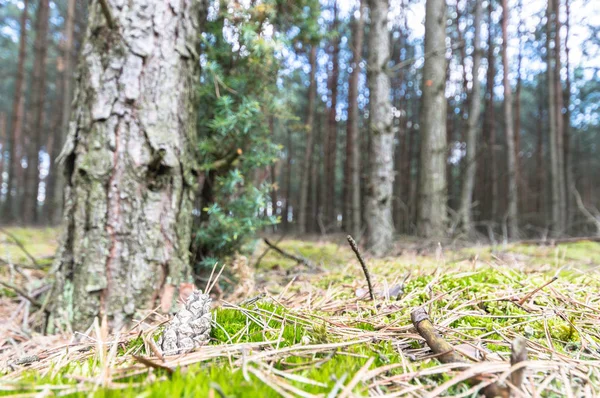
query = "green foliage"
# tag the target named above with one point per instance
(237, 107)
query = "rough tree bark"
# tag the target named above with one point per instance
(380, 226)
(352, 169)
(513, 198)
(432, 198)
(129, 164)
(14, 138)
(38, 95)
(54, 188)
(331, 144)
(472, 127)
(303, 213)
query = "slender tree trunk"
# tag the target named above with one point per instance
(38, 96)
(312, 222)
(308, 152)
(553, 132)
(432, 198)
(288, 182)
(559, 119)
(331, 147)
(569, 178)
(130, 177)
(539, 166)
(468, 186)
(352, 169)
(14, 140)
(3, 141)
(380, 226)
(54, 189)
(518, 172)
(512, 211)
(490, 123)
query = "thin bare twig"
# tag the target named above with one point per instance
(21, 246)
(354, 247)
(299, 259)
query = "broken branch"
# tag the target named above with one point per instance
(299, 259)
(447, 354)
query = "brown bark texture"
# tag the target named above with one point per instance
(129, 164)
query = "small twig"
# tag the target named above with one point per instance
(299, 259)
(530, 294)
(152, 364)
(107, 14)
(354, 247)
(21, 246)
(21, 293)
(259, 259)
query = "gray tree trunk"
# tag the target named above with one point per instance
(513, 196)
(129, 164)
(468, 186)
(352, 171)
(14, 140)
(432, 199)
(554, 161)
(303, 213)
(380, 226)
(54, 193)
(38, 96)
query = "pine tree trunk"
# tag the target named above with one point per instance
(331, 146)
(559, 119)
(490, 125)
(380, 226)
(512, 211)
(553, 142)
(3, 150)
(14, 138)
(288, 182)
(569, 177)
(129, 164)
(308, 151)
(432, 198)
(55, 186)
(38, 95)
(468, 185)
(352, 169)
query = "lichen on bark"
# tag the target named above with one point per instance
(129, 164)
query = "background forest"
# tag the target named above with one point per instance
(180, 180)
(283, 136)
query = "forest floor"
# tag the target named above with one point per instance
(287, 329)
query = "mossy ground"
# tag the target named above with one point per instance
(312, 334)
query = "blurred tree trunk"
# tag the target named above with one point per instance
(129, 165)
(559, 119)
(352, 169)
(555, 129)
(513, 198)
(569, 175)
(3, 150)
(14, 138)
(491, 176)
(54, 188)
(331, 145)
(432, 198)
(288, 182)
(468, 185)
(38, 96)
(303, 213)
(518, 171)
(380, 226)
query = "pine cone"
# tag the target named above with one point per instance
(190, 328)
